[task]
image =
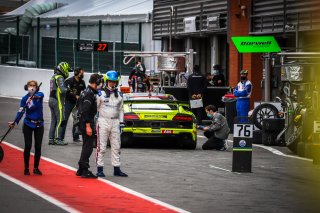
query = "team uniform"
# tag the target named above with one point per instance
(243, 92)
(110, 109)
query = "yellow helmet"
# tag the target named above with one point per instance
(64, 69)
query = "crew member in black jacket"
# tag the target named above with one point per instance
(196, 85)
(75, 85)
(87, 109)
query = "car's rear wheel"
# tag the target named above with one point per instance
(126, 139)
(187, 141)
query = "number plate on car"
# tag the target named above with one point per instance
(167, 131)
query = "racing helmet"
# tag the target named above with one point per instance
(112, 75)
(64, 69)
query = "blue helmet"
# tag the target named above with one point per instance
(112, 75)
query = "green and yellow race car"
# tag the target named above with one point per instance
(158, 116)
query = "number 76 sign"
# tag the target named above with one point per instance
(243, 130)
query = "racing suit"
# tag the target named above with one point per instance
(243, 93)
(110, 109)
(56, 102)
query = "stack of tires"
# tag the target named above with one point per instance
(271, 127)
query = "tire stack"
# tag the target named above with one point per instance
(271, 127)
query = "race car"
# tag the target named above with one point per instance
(152, 115)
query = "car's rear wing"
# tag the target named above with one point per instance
(184, 103)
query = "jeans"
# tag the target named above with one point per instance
(68, 108)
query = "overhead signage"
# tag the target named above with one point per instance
(89, 47)
(256, 44)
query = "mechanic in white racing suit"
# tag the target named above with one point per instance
(110, 110)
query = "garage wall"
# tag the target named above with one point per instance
(13, 79)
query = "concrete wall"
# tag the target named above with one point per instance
(13, 79)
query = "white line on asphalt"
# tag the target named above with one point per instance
(226, 170)
(122, 188)
(39, 193)
(277, 152)
(274, 151)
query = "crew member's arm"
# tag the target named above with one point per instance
(216, 123)
(69, 94)
(121, 111)
(244, 92)
(60, 83)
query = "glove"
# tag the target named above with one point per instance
(122, 125)
(88, 130)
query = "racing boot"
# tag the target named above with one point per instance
(60, 142)
(100, 172)
(118, 172)
(52, 142)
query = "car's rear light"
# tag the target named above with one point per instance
(182, 118)
(131, 116)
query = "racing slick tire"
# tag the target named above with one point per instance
(264, 111)
(187, 142)
(126, 139)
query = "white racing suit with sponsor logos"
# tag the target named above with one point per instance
(110, 110)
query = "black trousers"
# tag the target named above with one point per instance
(198, 112)
(87, 148)
(212, 142)
(38, 135)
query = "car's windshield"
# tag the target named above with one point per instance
(153, 106)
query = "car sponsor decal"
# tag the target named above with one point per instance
(155, 116)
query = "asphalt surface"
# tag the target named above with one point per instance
(194, 180)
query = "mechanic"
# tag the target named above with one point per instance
(196, 85)
(75, 86)
(110, 109)
(33, 123)
(243, 92)
(138, 80)
(87, 109)
(56, 103)
(217, 132)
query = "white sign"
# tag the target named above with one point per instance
(189, 24)
(243, 130)
(196, 103)
(316, 127)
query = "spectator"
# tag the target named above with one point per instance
(196, 85)
(216, 78)
(138, 80)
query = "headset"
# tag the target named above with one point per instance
(26, 85)
(77, 71)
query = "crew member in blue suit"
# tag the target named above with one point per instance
(33, 123)
(243, 92)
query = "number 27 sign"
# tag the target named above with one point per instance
(243, 130)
